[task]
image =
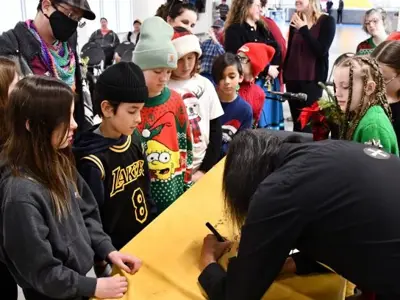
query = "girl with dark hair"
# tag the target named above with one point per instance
(50, 224)
(387, 55)
(270, 197)
(178, 13)
(360, 93)
(9, 76)
(238, 115)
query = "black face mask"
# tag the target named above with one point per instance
(62, 26)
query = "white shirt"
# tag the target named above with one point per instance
(202, 106)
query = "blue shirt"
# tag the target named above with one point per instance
(237, 116)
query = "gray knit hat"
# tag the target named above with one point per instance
(155, 49)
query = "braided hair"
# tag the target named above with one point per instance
(369, 71)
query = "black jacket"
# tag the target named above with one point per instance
(320, 46)
(118, 175)
(43, 253)
(20, 44)
(128, 37)
(337, 202)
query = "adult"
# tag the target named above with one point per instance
(307, 62)
(179, 14)
(223, 10)
(47, 45)
(107, 39)
(133, 36)
(245, 25)
(339, 18)
(388, 58)
(376, 24)
(349, 225)
(329, 5)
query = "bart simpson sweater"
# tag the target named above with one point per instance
(166, 137)
(375, 128)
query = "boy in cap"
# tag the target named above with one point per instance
(111, 159)
(254, 58)
(211, 49)
(165, 129)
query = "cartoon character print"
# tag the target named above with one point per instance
(192, 104)
(229, 129)
(162, 149)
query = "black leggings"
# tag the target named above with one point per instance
(8, 288)
(313, 91)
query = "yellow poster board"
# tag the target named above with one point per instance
(170, 249)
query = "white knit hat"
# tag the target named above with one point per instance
(185, 42)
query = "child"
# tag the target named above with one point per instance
(201, 100)
(165, 129)
(110, 158)
(238, 115)
(254, 58)
(360, 92)
(9, 76)
(51, 226)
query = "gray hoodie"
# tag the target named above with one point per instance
(44, 254)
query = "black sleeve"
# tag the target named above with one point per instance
(274, 223)
(93, 37)
(214, 147)
(320, 46)
(31, 253)
(101, 242)
(93, 177)
(234, 39)
(305, 265)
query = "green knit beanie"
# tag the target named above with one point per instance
(155, 49)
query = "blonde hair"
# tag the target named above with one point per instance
(315, 6)
(368, 69)
(382, 13)
(238, 13)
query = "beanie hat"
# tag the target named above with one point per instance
(185, 42)
(154, 48)
(394, 36)
(259, 54)
(122, 82)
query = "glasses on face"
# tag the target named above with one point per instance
(372, 22)
(68, 13)
(391, 79)
(243, 59)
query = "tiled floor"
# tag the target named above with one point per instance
(346, 40)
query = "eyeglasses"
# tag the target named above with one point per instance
(243, 59)
(373, 21)
(68, 13)
(391, 79)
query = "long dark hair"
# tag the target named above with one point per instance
(174, 8)
(37, 107)
(8, 70)
(248, 163)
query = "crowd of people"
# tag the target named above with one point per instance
(73, 192)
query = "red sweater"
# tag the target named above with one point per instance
(255, 96)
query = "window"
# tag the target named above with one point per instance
(11, 15)
(125, 16)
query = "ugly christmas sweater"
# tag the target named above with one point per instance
(375, 128)
(166, 138)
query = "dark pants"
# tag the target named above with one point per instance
(33, 295)
(8, 288)
(339, 16)
(314, 93)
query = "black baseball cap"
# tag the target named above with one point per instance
(81, 4)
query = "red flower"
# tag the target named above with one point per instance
(312, 112)
(319, 124)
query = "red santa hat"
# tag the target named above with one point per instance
(259, 54)
(394, 36)
(163, 132)
(185, 42)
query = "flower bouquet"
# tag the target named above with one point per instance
(324, 116)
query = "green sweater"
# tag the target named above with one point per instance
(375, 127)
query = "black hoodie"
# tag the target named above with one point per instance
(118, 175)
(43, 253)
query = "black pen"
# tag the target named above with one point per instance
(215, 232)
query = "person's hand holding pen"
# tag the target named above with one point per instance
(213, 248)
